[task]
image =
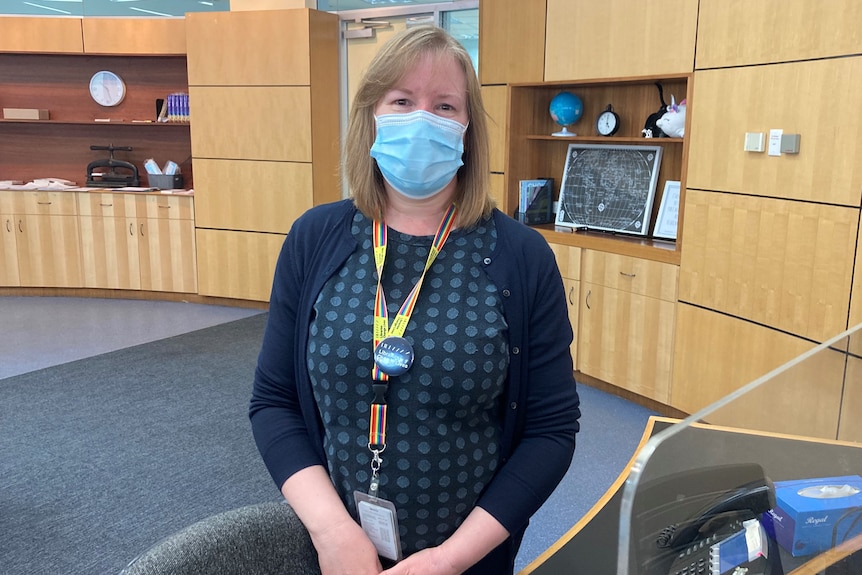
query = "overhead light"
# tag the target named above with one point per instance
(421, 20)
(151, 12)
(48, 8)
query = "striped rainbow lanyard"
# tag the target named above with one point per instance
(382, 329)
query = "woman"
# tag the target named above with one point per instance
(415, 374)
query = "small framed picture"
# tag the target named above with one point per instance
(668, 212)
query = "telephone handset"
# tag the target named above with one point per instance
(726, 537)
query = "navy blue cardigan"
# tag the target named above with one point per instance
(542, 405)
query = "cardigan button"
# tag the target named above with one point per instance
(506, 293)
(516, 350)
(486, 261)
(513, 405)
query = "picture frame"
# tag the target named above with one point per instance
(536, 201)
(667, 220)
(609, 187)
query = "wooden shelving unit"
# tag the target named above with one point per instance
(60, 147)
(533, 152)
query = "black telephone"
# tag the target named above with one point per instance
(710, 524)
(725, 537)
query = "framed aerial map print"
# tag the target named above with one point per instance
(609, 187)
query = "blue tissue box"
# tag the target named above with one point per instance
(807, 511)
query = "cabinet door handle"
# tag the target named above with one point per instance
(624, 274)
(21, 226)
(44, 203)
(8, 225)
(131, 229)
(587, 301)
(571, 295)
(106, 205)
(142, 229)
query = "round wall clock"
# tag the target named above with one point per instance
(608, 122)
(107, 88)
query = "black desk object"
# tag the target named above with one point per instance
(591, 546)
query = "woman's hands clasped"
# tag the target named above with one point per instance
(344, 549)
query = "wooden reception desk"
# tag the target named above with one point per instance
(590, 547)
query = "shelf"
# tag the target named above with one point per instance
(94, 123)
(533, 152)
(658, 250)
(60, 147)
(619, 82)
(607, 139)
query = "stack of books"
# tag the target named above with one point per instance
(175, 108)
(536, 201)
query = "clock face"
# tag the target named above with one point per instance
(608, 123)
(107, 88)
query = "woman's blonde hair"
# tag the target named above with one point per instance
(395, 59)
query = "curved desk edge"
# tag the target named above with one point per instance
(649, 431)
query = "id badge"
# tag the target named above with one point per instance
(379, 520)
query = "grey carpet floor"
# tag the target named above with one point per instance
(102, 457)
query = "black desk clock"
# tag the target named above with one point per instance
(608, 122)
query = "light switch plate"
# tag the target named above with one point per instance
(753, 142)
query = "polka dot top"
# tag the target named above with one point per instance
(445, 413)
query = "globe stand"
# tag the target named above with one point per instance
(564, 133)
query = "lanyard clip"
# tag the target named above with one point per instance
(379, 393)
(376, 462)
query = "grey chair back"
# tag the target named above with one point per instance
(262, 539)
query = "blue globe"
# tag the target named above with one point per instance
(566, 109)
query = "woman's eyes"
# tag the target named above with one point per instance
(405, 102)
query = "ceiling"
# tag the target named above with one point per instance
(174, 7)
(462, 22)
(141, 8)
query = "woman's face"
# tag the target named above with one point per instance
(435, 85)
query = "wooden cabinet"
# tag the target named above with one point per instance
(49, 35)
(627, 320)
(265, 137)
(741, 33)
(850, 424)
(774, 262)
(167, 247)
(511, 41)
(569, 262)
(45, 228)
(134, 36)
(618, 38)
(109, 240)
(238, 265)
(769, 264)
(495, 99)
(533, 152)
(9, 275)
(716, 354)
(23, 34)
(131, 241)
(812, 98)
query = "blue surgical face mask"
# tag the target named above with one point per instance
(418, 153)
